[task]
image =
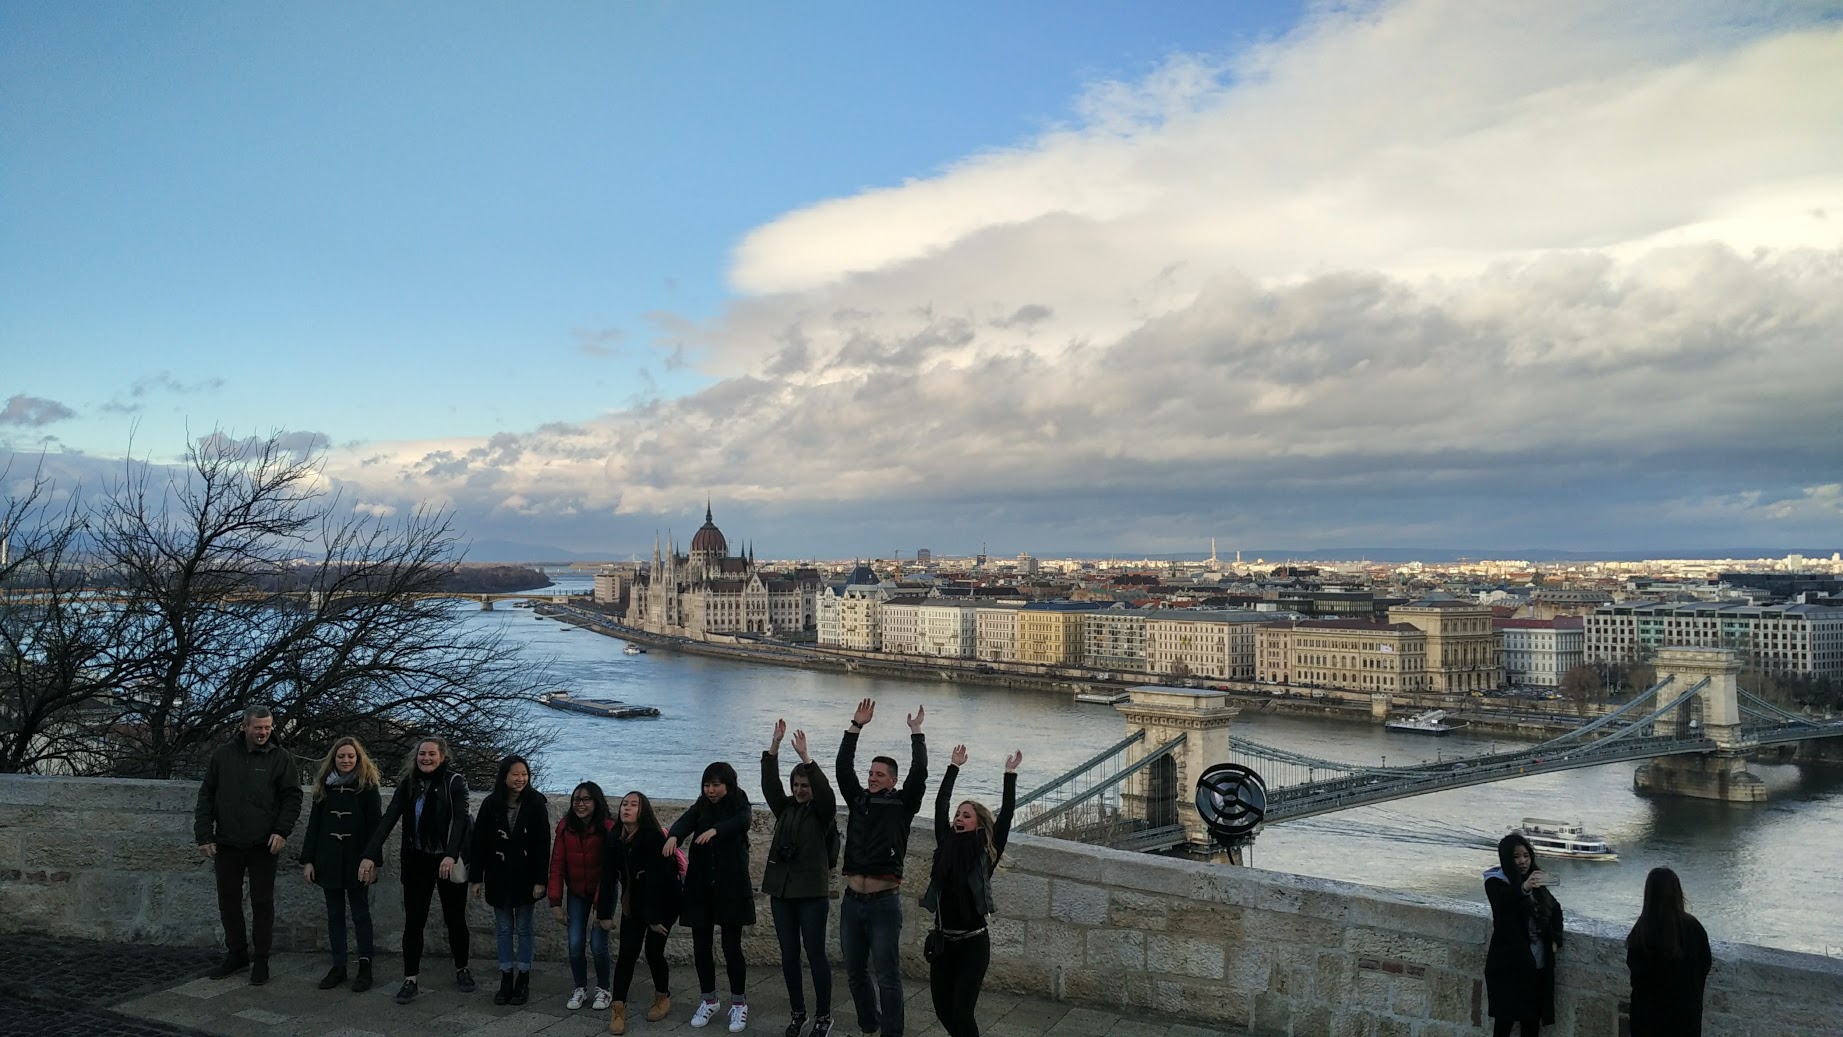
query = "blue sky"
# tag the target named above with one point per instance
(1050, 276)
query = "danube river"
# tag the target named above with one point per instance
(1755, 874)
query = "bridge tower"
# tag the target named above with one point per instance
(1163, 793)
(1715, 712)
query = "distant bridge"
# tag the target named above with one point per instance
(1695, 723)
(485, 598)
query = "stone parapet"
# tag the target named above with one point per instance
(1263, 952)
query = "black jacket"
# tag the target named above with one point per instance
(338, 831)
(717, 886)
(1514, 987)
(1667, 994)
(635, 873)
(247, 796)
(443, 830)
(511, 862)
(799, 862)
(877, 828)
(961, 895)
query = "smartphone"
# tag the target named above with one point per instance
(1550, 879)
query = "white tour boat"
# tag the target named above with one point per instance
(1432, 722)
(1564, 839)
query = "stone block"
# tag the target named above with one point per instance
(1020, 894)
(1387, 1026)
(1411, 998)
(137, 795)
(1055, 944)
(1200, 1001)
(1247, 967)
(1055, 858)
(1139, 910)
(38, 907)
(1008, 934)
(1335, 973)
(116, 899)
(1450, 996)
(1370, 991)
(1325, 904)
(1078, 903)
(1205, 919)
(1116, 950)
(29, 790)
(1367, 942)
(1276, 927)
(146, 851)
(1273, 1013)
(1199, 957)
(66, 850)
(12, 850)
(1164, 876)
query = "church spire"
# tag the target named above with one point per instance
(706, 509)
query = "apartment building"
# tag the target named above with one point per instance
(995, 632)
(1464, 653)
(1370, 655)
(1115, 640)
(1215, 643)
(1798, 640)
(1537, 652)
(948, 629)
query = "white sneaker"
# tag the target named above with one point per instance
(706, 1009)
(577, 998)
(739, 1017)
(603, 1000)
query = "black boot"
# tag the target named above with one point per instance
(259, 972)
(233, 963)
(521, 989)
(795, 1024)
(334, 976)
(362, 981)
(504, 993)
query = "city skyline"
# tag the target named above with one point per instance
(1419, 275)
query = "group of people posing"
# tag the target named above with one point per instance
(1667, 951)
(612, 868)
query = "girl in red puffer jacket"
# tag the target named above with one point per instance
(575, 882)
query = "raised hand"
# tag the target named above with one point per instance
(916, 718)
(780, 731)
(865, 711)
(800, 746)
(1012, 761)
(958, 757)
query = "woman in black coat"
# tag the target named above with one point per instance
(431, 801)
(512, 870)
(347, 806)
(1667, 952)
(717, 887)
(798, 876)
(966, 853)
(1526, 931)
(644, 878)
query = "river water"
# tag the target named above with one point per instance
(1769, 874)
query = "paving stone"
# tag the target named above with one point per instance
(266, 1018)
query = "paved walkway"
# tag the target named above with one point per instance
(290, 1005)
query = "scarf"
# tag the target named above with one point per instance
(336, 780)
(962, 855)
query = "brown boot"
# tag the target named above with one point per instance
(617, 1018)
(662, 1007)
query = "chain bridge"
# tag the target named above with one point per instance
(1695, 728)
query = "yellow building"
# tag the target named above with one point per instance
(1049, 637)
(1464, 651)
(1330, 654)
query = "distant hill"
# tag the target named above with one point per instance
(513, 551)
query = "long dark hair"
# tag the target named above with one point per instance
(644, 820)
(1505, 848)
(1663, 922)
(598, 820)
(500, 788)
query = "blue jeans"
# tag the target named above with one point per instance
(336, 900)
(801, 922)
(511, 922)
(870, 934)
(584, 930)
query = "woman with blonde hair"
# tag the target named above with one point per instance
(966, 853)
(346, 809)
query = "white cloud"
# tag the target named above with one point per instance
(1440, 257)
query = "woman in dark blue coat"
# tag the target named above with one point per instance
(718, 892)
(512, 870)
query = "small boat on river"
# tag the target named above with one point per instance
(1564, 839)
(613, 709)
(1432, 722)
(1103, 697)
(633, 649)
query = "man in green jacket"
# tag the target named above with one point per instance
(247, 805)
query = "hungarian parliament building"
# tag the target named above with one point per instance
(707, 590)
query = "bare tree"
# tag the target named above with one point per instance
(55, 635)
(244, 580)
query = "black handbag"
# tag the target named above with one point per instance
(934, 944)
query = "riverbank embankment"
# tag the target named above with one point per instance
(1505, 717)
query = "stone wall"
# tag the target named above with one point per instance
(1232, 947)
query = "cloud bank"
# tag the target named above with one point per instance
(1427, 271)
